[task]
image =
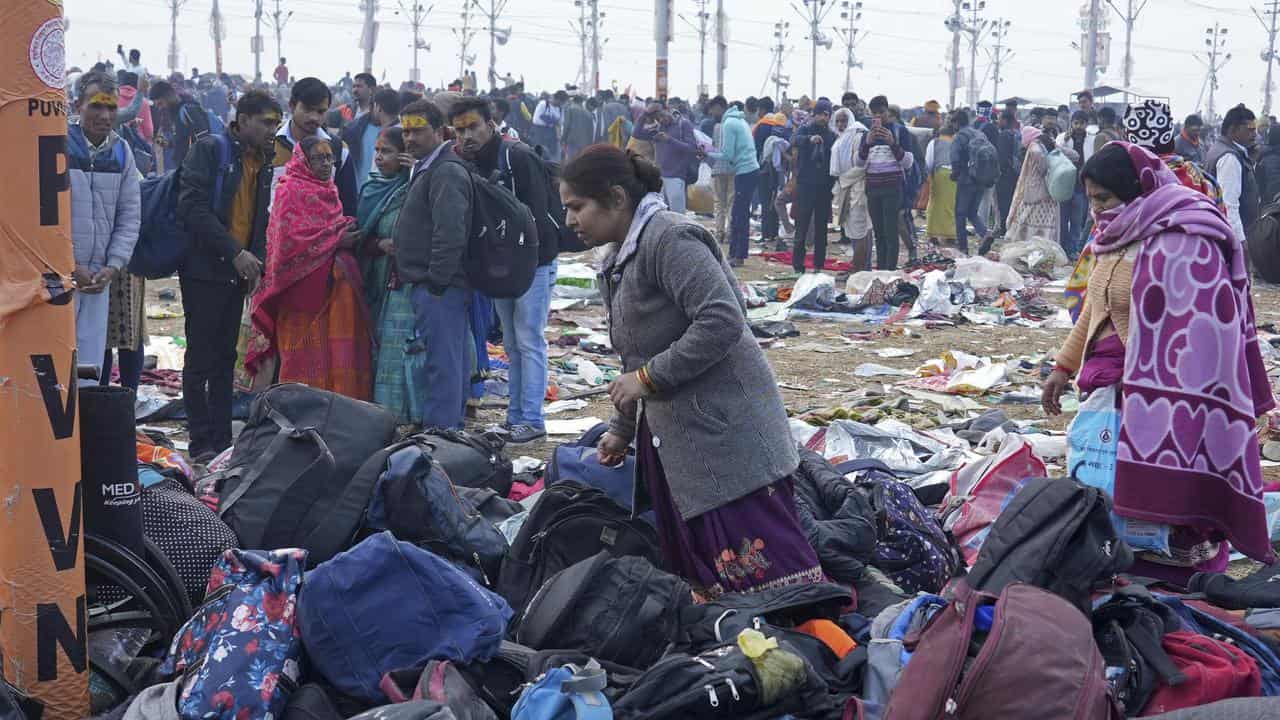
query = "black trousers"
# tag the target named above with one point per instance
(213, 326)
(1005, 188)
(767, 191)
(884, 203)
(813, 211)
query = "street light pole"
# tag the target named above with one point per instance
(976, 27)
(815, 11)
(851, 12)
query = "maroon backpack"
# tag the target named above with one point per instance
(1039, 659)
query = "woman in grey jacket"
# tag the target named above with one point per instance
(713, 447)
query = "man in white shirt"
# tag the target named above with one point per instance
(1228, 160)
(547, 117)
(132, 63)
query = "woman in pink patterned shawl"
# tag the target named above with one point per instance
(1169, 318)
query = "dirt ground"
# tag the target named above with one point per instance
(809, 378)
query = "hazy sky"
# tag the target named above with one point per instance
(903, 52)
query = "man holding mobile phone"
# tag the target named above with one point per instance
(886, 162)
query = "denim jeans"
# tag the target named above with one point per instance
(673, 191)
(968, 197)
(524, 325)
(1073, 215)
(744, 188)
(442, 324)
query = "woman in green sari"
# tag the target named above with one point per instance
(390, 309)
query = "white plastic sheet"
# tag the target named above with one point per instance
(935, 296)
(981, 273)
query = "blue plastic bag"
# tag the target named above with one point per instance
(1091, 459)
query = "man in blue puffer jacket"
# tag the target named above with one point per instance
(106, 208)
(738, 150)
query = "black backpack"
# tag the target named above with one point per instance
(719, 621)
(502, 251)
(500, 681)
(414, 497)
(1264, 243)
(292, 478)
(474, 461)
(622, 610)
(554, 222)
(722, 682)
(1129, 628)
(569, 524)
(1055, 534)
(984, 160)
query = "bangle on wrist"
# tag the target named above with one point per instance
(1059, 367)
(643, 374)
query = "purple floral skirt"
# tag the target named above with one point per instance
(753, 543)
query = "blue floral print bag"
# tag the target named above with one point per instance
(238, 657)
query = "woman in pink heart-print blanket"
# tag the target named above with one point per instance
(1169, 317)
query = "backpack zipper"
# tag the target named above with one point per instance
(979, 664)
(711, 692)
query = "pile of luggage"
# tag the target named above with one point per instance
(375, 578)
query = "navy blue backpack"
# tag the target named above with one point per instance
(385, 605)
(162, 241)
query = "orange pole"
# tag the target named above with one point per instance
(42, 594)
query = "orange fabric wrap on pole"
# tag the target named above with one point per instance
(43, 630)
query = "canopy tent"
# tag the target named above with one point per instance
(1105, 91)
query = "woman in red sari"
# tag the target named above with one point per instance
(310, 322)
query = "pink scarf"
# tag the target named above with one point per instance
(302, 245)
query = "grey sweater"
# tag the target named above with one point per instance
(718, 421)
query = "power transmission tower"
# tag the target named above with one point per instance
(850, 12)
(999, 56)
(497, 36)
(464, 35)
(1130, 18)
(174, 7)
(369, 33)
(781, 32)
(255, 42)
(1216, 57)
(976, 28)
(217, 31)
(588, 31)
(1269, 55)
(701, 26)
(278, 20)
(417, 16)
(722, 45)
(814, 13)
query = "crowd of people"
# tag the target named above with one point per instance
(329, 224)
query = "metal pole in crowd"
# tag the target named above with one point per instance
(1273, 10)
(722, 46)
(1091, 48)
(596, 15)
(662, 10)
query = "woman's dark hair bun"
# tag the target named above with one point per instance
(649, 174)
(599, 168)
